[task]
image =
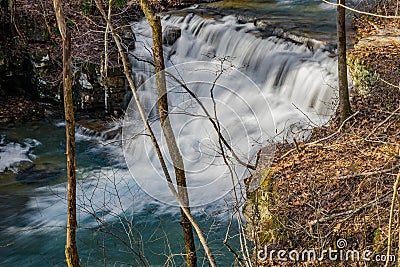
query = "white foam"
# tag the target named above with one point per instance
(277, 79)
(284, 73)
(60, 124)
(13, 153)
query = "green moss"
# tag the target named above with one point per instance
(377, 241)
(45, 35)
(364, 77)
(265, 221)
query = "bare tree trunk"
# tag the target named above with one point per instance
(344, 100)
(173, 148)
(127, 72)
(71, 250)
(104, 67)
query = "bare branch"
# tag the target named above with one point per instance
(360, 12)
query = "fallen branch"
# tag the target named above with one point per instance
(322, 139)
(391, 84)
(348, 212)
(366, 173)
(383, 122)
(361, 12)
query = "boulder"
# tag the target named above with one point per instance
(171, 34)
(128, 37)
(384, 38)
(38, 174)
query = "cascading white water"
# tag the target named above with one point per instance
(250, 113)
(12, 154)
(285, 72)
(289, 71)
(273, 85)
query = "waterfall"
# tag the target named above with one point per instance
(290, 71)
(254, 103)
(275, 89)
(270, 89)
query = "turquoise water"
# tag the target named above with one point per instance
(312, 18)
(128, 229)
(119, 225)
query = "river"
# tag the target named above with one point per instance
(127, 217)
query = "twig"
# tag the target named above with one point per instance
(214, 122)
(361, 12)
(365, 173)
(348, 212)
(225, 241)
(389, 246)
(383, 122)
(170, 257)
(123, 139)
(325, 138)
(305, 115)
(391, 84)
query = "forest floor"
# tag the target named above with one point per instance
(339, 184)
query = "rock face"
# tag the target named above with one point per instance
(385, 37)
(102, 95)
(35, 73)
(15, 74)
(128, 37)
(17, 66)
(170, 35)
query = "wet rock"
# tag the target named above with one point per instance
(98, 128)
(84, 82)
(39, 174)
(385, 37)
(171, 34)
(127, 99)
(128, 37)
(25, 165)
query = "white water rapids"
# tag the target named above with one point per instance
(267, 89)
(258, 91)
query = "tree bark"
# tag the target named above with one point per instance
(171, 186)
(168, 132)
(344, 100)
(71, 250)
(104, 67)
